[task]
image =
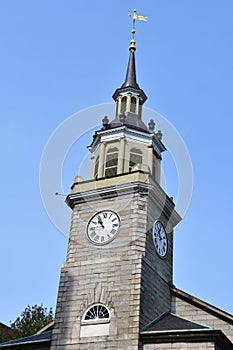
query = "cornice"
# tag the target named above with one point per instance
(115, 134)
(122, 185)
(107, 192)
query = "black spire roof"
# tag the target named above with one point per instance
(130, 84)
(130, 78)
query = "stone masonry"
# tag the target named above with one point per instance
(126, 275)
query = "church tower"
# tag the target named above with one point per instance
(119, 266)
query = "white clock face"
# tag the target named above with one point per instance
(103, 227)
(160, 239)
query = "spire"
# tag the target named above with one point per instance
(130, 84)
(130, 79)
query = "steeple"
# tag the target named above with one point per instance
(126, 143)
(130, 97)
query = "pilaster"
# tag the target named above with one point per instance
(121, 159)
(101, 159)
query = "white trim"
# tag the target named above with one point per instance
(116, 134)
(95, 320)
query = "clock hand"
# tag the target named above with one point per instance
(100, 222)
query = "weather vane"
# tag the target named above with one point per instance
(135, 17)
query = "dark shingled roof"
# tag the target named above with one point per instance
(46, 336)
(169, 321)
(131, 121)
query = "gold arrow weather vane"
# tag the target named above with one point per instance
(135, 17)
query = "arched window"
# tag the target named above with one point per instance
(96, 167)
(96, 312)
(123, 104)
(111, 162)
(135, 157)
(133, 104)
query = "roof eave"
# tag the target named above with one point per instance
(129, 89)
(202, 305)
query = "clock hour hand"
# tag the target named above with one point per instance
(159, 233)
(100, 222)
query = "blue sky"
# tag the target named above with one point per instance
(59, 57)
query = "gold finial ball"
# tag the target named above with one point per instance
(133, 31)
(134, 10)
(132, 45)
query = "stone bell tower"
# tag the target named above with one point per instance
(119, 265)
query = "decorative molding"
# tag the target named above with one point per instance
(107, 192)
(114, 134)
(135, 182)
(97, 295)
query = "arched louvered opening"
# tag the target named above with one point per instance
(111, 162)
(135, 157)
(123, 104)
(133, 104)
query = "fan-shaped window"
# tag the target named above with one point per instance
(96, 312)
(123, 104)
(135, 157)
(111, 162)
(133, 104)
(96, 167)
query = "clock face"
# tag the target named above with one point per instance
(160, 239)
(103, 227)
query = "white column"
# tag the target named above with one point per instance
(128, 103)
